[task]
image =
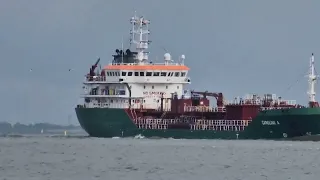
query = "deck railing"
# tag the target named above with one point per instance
(111, 105)
(204, 109)
(194, 124)
(95, 79)
(149, 64)
(260, 102)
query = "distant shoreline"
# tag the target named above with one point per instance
(37, 128)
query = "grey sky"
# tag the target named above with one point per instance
(236, 47)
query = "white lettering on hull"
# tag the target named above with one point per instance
(270, 123)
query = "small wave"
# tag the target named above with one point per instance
(68, 136)
(139, 136)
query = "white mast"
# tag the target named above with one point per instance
(312, 81)
(140, 32)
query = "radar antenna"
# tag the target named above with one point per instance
(139, 36)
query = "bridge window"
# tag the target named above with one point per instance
(136, 73)
(123, 73)
(166, 87)
(176, 74)
(149, 74)
(156, 74)
(141, 73)
(108, 73)
(177, 87)
(183, 74)
(152, 87)
(144, 87)
(163, 73)
(129, 73)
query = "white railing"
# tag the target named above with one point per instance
(123, 105)
(233, 102)
(289, 102)
(102, 95)
(260, 102)
(194, 121)
(271, 108)
(95, 79)
(149, 64)
(204, 109)
(112, 105)
(218, 127)
(195, 124)
(163, 109)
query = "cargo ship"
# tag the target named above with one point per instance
(134, 96)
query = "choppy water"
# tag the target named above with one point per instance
(138, 159)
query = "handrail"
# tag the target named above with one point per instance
(116, 105)
(149, 64)
(204, 109)
(95, 78)
(260, 102)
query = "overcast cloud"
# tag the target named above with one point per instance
(236, 47)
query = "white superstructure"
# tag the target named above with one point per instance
(132, 71)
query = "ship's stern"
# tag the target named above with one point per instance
(105, 122)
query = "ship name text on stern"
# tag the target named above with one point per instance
(270, 123)
(146, 93)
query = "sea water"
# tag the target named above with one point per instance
(82, 158)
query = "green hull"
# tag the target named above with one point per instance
(289, 123)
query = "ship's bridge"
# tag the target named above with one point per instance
(147, 73)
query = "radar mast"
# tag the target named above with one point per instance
(139, 37)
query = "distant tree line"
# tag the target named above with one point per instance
(6, 128)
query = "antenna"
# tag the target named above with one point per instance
(122, 50)
(140, 32)
(182, 58)
(312, 80)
